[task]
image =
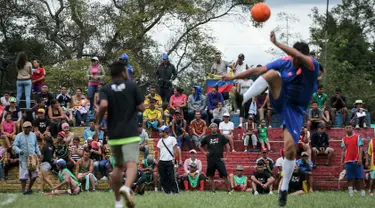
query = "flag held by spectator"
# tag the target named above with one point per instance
(224, 86)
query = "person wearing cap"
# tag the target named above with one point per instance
(238, 181)
(26, 145)
(193, 159)
(321, 99)
(125, 58)
(194, 180)
(153, 95)
(250, 135)
(198, 127)
(226, 128)
(242, 86)
(14, 110)
(261, 180)
(151, 117)
(268, 162)
(168, 148)
(219, 67)
(149, 167)
(95, 75)
(338, 106)
(179, 130)
(84, 169)
(320, 145)
(166, 73)
(306, 167)
(315, 117)
(359, 115)
(216, 143)
(239, 66)
(123, 136)
(41, 125)
(66, 178)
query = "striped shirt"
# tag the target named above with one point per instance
(75, 156)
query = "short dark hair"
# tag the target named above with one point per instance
(6, 92)
(80, 89)
(92, 120)
(314, 102)
(302, 47)
(76, 139)
(116, 68)
(260, 162)
(320, 86)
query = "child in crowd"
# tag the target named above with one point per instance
(263, 135)
(166, 114)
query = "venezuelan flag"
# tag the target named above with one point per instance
(224, 86)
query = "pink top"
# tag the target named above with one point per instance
(177, 101)
(8, 128)
(189, 161)
(94, 71)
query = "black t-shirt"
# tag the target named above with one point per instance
(319, 140)
(47, 97)
(295, 183)
(338, 104)
(64, 100)
(262, 177)
(42, 124)
(215, 145)
(47, 153)
(14, 113)
(123, 98)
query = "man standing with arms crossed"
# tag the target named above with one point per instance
(122, 99)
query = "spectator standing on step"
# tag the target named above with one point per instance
(219, 67)
(38, 76)
(262, 181)
(96, 75)
(46, 163)
(239, 66)
(24, 69)
(167, 150)
(26, 145)
(166, 73)
(338, 105)
(351, 159)
(215, 160)
(242, 86)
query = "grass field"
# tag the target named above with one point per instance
(190, 200)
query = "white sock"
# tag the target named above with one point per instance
(288, 168)
(350, 188)
(256, 88)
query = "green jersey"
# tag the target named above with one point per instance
(240, 180)
(320, 99)
(262, 132)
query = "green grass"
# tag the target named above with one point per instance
(190, 200)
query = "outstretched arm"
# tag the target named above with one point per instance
(251, 72)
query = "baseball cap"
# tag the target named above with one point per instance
(26, 124)
(12, 100)
(193, 151)
(61, 133)
(41, 110)
(193, 165)
(226, 115)
(239, 167)
(264, 150)
(60, 162)
(94, 58)
(124, 57)
(150, 160)
(304, 154)
(164, 56)
(164, 128)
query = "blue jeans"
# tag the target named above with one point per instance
(80, 117)
(27, 85)
(103, 167)
(145, 151)
(91, 92)
(185, 138)
(96, 168)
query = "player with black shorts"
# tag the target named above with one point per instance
(122, 100)
(215, 161)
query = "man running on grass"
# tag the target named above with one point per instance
(122, 99)
(292, 82)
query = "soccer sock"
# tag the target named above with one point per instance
(256, 88)
(201, 183)
(186, 185)
(288, 169)
(350, 188)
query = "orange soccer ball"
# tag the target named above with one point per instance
(260, 12)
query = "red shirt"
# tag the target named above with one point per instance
(352, 145)
(198, 126)
(38, 73)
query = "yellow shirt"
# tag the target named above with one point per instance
(370, 151)
(157, 97)
(151, 114)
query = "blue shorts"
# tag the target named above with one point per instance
(152, 124)
(354, 171)
(291, 117)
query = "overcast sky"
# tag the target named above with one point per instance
(234, 37)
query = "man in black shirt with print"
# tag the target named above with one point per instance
(262, 181)
(298, 183)
(122, 100)
(215, 161)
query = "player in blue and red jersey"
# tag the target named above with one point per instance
(292, 82)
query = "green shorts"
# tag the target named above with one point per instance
(372, 174)
(265, 139)
(125, 150)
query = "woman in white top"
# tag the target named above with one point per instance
(24, 69)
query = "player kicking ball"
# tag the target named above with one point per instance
(291, 81)
(122, 99)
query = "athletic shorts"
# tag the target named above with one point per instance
(213, 165)
(264, 140)
(372, 174)
(292, 118)
(125, 153)
(45, 166)
(354, 171)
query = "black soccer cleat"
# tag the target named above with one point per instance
(282, 198)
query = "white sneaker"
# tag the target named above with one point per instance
(240, 125)
(127, 195)
(119, 204)
(104, 178)
(357, 126)
(270, 193)
(364, 125)
(256, 193)
(156, 189)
